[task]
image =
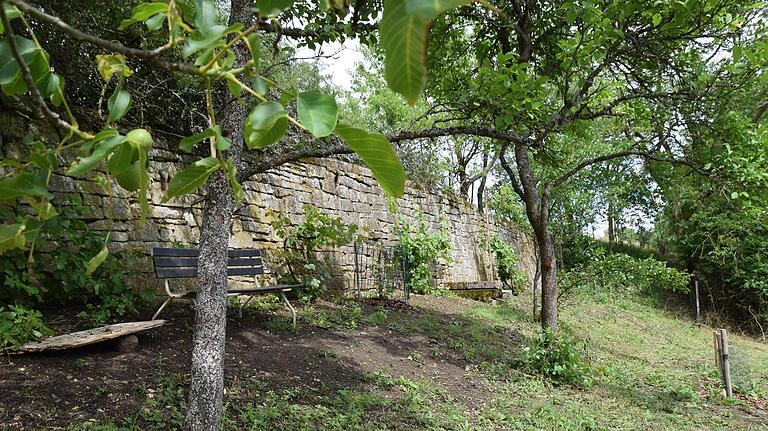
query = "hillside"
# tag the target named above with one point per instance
(446, 363)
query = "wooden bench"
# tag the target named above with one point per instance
(170, 263)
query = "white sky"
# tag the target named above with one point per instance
(341, 65)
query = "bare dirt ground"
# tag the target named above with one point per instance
(96, 382)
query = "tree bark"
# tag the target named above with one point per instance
(548, 279)
(206, 390)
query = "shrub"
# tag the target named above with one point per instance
(506, 265)
(316, 233)
(421, 248)
(557, 358)
(19, 325)
(54, 274)
(618, 272)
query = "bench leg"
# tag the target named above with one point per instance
(157, 313)
(293, 312)
(242, 305)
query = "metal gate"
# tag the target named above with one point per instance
(380, 271)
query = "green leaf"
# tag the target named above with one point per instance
(55, 89)
(96, 261)
(192, 177)
(101, 151)
(143, 12)
(378, 155)
(11, 12)
(139, 138)
(155, 22)
(222, 143)
(265, 125)
(208, 32)
(271, 8)
(656, 19)
(317, 112)
(109, 65)
(44, 208)
(23, 184)
(11, 236)
(118, 104)
(188, 143)
(404, 38)
(237, 188)
(254, 46)
(259, 85)
(10, 74)
(429, 9)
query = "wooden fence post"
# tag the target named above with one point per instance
(722, 359)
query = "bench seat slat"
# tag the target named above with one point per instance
(245, 252)
(188, 272)
(175, 252)
(245, 270)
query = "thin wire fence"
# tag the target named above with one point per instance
(379, 271)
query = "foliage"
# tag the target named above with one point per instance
(19, 325)
(56, 272)
(557, 358)
(506, 265)
(317, 233)
(421, 248)
(621, 273)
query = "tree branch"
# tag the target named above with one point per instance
(42, 107)
(149, 55)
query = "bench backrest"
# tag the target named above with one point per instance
(182, 262)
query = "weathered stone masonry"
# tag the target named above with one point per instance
(339, 188)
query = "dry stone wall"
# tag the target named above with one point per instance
(338, 188)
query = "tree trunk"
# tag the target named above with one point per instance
(206, 390)
(207, 386)
(548, 278)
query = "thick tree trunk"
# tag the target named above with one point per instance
(206, 390)
(548, 278)
(207, 386)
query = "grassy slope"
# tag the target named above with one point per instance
(653, 372)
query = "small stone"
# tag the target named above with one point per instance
(126, 344)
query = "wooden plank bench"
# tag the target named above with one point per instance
(170, 263)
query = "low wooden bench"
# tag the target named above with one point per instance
(170, 263)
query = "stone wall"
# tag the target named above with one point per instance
(338, 188)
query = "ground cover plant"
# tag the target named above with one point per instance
(444, 364)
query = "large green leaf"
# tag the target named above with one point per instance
(429, 9)
(10, 74)
(11, 12)
(144, 184)
(11, 236)
(188, 143)
(109, 65)
(378, 155)
(23, 184)
(118, 104)
(317, 112)
(102, 150)
(208, 32)
(265, 125)
(404, 37)
(192, 177)
(271, 8)
(143, 12)
(96, 261)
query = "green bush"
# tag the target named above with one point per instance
(54, 274)
(19, 325)
(421, 248)
(618, 272)
(506, 265)
(302, 242)
(557, 358)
